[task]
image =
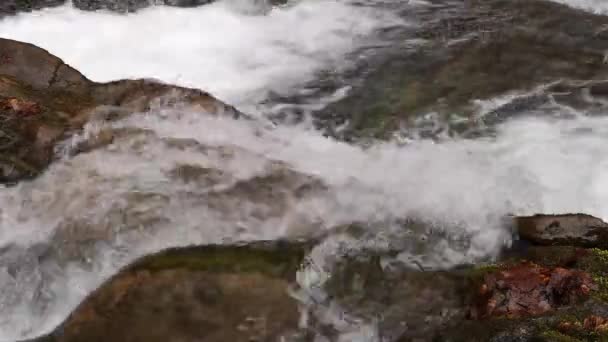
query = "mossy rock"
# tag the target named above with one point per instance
(565, 324)
(203, 293)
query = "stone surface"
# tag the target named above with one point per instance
(43, 101)
(528, 289)
(573, 230)
(11, 7)
(134, 5)
(212, 293)
(462, 53)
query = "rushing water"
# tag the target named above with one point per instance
(466, 186)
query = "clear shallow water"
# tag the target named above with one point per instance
(531, 166)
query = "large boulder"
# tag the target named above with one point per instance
(134, 5)
(211, 293)
(568, 229)
(43, 101)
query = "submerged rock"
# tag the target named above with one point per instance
(43, 101)
(401, 303)
(569, 229)
(210, 293)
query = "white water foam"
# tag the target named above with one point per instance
(225, 48)
(594, 6)
(235, 56)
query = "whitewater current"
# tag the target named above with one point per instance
(531, 165)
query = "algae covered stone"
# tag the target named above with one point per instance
(207, 293)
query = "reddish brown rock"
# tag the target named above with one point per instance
(528, 289)
(596, 323)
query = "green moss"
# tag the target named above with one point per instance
(576, 333)
(596, 264)
(487, 268)
(377, 121)
(556, 336)
(477, 273)
(600, 254)
(275, 259)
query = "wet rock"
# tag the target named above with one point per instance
(574, 328)
(572, 229)
(211, 293)
(596, 323)
(366, 295)
(403, 304)
(406, 304)
(11, 7)
(37, 68)
(558, 267)
(530, 290)
(43, 101)
(134, 5)
(589, 97)
(462, 52)
(16, 107)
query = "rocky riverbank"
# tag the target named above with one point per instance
(258, 292)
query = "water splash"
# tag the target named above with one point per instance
(237, 57)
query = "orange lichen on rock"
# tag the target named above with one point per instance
(528, 289)
(19, 106)
(596, 324)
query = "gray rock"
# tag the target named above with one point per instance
(134, 5)
(11, 7)
(568, 229)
